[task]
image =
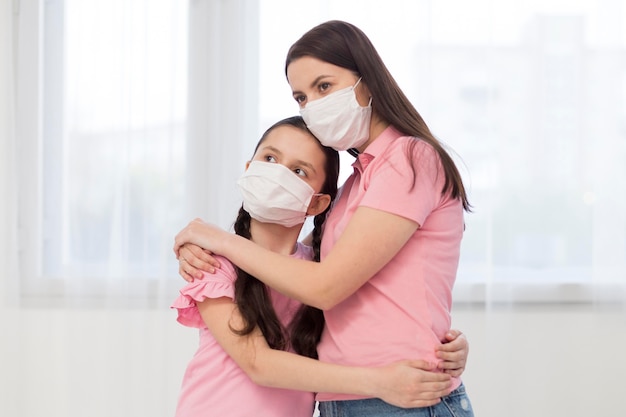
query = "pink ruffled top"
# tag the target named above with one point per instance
(213, 383)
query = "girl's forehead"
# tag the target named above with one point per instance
(294, 143)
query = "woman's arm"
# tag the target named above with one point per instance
(193, 260)
(371, 239)
(404, 384)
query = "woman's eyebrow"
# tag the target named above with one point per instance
(313, 83)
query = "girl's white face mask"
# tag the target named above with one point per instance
(273, 194)
(338, 120)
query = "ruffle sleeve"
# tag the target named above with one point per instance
(210, 286)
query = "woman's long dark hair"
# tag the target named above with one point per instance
(344, 45)
(252, 296)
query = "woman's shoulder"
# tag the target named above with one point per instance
(411, 150)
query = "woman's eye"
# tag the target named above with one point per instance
(324, 86)
(300, 99)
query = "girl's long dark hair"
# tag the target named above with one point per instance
(252, 296)
(344, 45)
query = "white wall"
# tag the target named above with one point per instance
(539, 361)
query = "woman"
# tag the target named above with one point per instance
(391, 242)
(247, 330)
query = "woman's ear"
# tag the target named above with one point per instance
(319, 203)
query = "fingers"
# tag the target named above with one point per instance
(189, 272)
(423, 403)
(453, 334)
(455, 341)
(422, 364)
(195, 260)
(452, 360)
(432, 394)
(431, 389)
(453, 353)
(453, 364)
(186, 276)
(454, 372)
(200, 258)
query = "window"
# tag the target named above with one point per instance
(128, 109)
(110, 153)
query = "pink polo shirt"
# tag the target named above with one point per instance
(402, 312)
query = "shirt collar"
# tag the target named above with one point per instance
(376, 147)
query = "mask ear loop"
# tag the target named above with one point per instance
(354, 151)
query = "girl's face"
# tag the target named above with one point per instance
(311, 79)
(297, 150)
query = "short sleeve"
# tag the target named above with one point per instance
(217, 285)
(408, 187)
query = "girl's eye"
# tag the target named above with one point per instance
(270, 158)
(300, 172)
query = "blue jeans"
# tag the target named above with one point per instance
(455, 404)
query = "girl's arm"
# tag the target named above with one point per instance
(371, 239)
(403, 384)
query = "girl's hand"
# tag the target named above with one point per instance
(453, 353)
(188, 247)
(193, 260)
(411, 383)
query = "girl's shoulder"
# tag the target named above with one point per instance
(303, 251)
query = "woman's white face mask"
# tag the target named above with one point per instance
(338, 120)
(272, 193)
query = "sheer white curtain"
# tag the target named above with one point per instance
(133, 120)
(8, 215)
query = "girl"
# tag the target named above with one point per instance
(247, 330)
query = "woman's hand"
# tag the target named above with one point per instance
(453, 353)
(409, 384)
(188, 247)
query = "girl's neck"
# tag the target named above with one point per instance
(274, 237)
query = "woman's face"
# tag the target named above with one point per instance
(311, 79)
(297, 150)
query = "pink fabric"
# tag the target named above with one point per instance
(403, 311)
(213, 384)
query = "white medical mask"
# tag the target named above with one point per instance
(272, 193)
(338, 120)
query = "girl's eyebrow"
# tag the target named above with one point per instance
(271, 148)
(307, 165)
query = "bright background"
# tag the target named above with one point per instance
(121, 121)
